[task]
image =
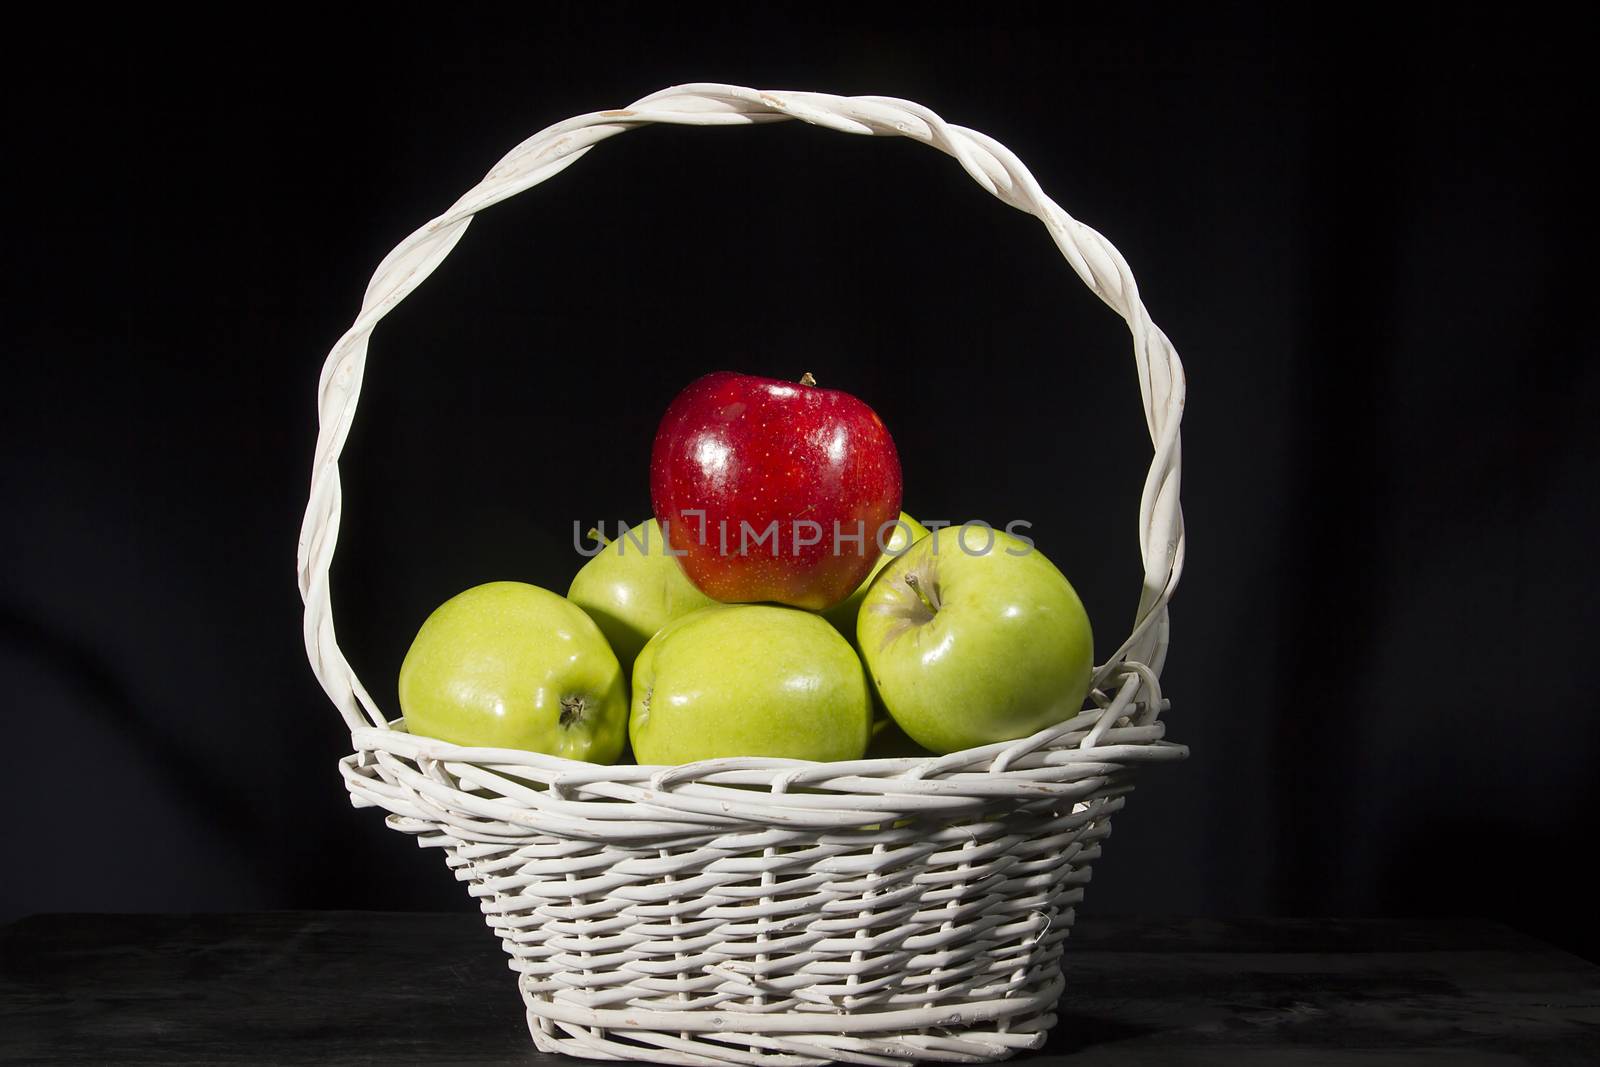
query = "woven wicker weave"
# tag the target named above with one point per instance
(757, 910)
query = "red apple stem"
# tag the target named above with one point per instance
(807, 379)
(922, 594)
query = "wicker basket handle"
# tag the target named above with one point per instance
(991, 165)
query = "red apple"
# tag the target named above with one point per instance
(753, 478)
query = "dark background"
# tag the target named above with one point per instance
(1366, 241)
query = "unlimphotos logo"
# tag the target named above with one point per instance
(800, 537)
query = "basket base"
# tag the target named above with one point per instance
(887, 1050)
(993, 1031)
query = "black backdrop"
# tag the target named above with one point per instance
(1365, 241)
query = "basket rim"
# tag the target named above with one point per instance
(1121, 729)
(499, 794)
(1140, 658)
(1134, 742)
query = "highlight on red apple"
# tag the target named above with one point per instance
(774, 491)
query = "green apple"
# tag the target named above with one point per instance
(967, 647)
(509, 665)
(632, 591)
(748, 680)
(907, 531)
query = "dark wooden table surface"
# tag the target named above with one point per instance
(338, 988)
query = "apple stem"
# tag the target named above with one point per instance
(922, 594)
(596, 535)
(571, 712)
(807, 379)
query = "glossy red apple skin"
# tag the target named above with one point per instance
(754, 450)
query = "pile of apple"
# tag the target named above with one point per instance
(778, 605)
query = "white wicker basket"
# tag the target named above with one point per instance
(757, 910)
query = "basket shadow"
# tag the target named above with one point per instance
(212, 796)
(1079, 1031)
